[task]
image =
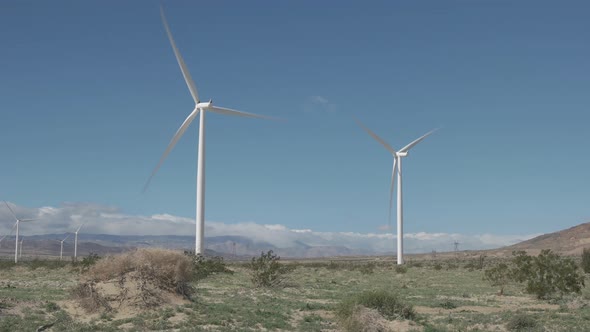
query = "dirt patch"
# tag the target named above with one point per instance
(131, 283)
(503, 303)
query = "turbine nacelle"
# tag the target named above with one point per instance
(401, 154)
(204, 105)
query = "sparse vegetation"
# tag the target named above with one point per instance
(586, 260)
(441, 300)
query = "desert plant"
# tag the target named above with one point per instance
(586, 260)
(554, 274)
(387, 304)
(523, 266)
(205, 266)
(521, 322)
(89, 261)
(267, 271)
(499, 275)
(448, 304)
(547, 274)
(400, 269)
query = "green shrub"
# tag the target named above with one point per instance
(267, 271)
(448, 304)
(204, 267)
(522, 322)
(499, 275)
(437, 266)
(553, 274)
(400, 269)
(547, 274)
(386, 303)
(523, 266)
(586, 260)
(89, 261)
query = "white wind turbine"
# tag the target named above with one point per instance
(61, 249)
(397, 161)
(200, 108)
(18, 221)
(76, 240)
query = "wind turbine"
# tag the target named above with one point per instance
(397, 168)
(61, 249)
(18, 221)
(200, 108)
(76, 241)
(20, 252)
(13, 226)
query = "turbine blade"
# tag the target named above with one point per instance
(65, 238)
(175, 139)
(391, 190)
(411, 145)
(12, 212)
(377, 138)
(229, 111)
(185, 73)
(24, 220)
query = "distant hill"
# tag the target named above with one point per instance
(227, 246)
(569, 241)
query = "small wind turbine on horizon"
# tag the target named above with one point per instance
(199, 109)
(18, 221)
(76, 241)
(397, 168)
(61, 249)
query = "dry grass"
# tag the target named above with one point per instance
(144, 278)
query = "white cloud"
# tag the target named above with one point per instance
(109, 220)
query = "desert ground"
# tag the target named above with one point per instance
(447, 293)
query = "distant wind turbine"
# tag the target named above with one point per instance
(397, 161)
(200, 108)
(18, 221)
(76, 240)
(61, 249)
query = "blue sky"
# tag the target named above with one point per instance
(92, 94)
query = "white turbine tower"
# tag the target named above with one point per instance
(76, 241)
(61, 249)
(20, 252)
(200, 108)
(397, 168)
(18, 221)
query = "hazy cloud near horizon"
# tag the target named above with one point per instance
(101, 219)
